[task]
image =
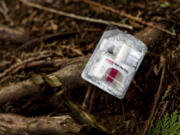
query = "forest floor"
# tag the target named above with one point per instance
(29, 33)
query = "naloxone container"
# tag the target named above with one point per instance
(114, 62)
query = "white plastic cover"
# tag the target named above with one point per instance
(114, 62)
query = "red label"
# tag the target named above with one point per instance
(112, 75)
(112, 62)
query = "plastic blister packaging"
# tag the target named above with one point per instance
(114, 62)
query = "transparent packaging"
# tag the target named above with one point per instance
(114, 62)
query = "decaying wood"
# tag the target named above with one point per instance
(150, 36)
(85, 117)
(19, 125)
(21, 89)
(69, 74)
(14, 35)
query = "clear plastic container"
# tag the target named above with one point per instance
(114, 62)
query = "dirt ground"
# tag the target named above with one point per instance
(79, 38)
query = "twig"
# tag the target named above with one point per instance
(138, 87)
(36, 60)
(163, 109)
(31, 4)
(4, 11)
(14, 35)
(3, 64)
(70, 50)
(32, 42)
(85, 117)
(84, 104)
(92, 99)
(69, 75)
(22, 64)
(157, 95)
(122, 106)
(121, 13)
(162, 105)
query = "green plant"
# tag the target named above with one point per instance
(167, 125)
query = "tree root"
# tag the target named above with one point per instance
(69, 76)
(14, 35)
(19, 125)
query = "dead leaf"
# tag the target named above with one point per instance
(156, 70)
(53, 25)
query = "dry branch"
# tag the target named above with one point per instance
(4, 11)
(137, 19)
(85, 117)
(88, 19)
(68, 75)
(22, 64)
(156, 99)
(18, 90)
(14, 35)
(18, 125)
(3, 64)
(33, 42)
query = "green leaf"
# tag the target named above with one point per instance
(167, 125)
(54, 43)
(165, 4)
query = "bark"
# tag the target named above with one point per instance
(85, 117)
(19, 125)
(149, 36)
(18, 90)
(68, 75)
(3, 65)
(14, 35)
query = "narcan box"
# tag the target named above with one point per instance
(114, 62)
